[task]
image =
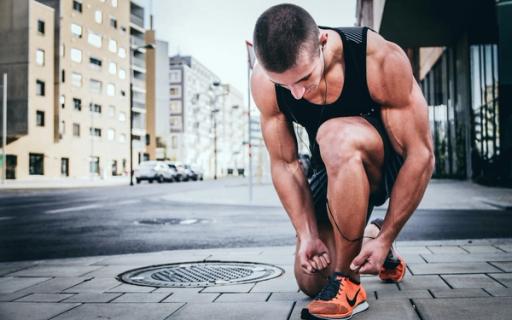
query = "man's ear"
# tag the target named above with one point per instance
(323, 37)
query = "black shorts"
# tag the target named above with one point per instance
(392, 164)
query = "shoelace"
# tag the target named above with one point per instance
(330, 290)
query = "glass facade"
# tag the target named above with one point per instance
(449, 119)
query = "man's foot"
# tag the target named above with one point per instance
(340, 299)
(394, 267)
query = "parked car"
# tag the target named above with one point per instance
(153, 171)
(179, 172)
(193, 174)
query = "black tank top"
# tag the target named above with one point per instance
(354, 100)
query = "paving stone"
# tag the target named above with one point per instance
(482, 249)
(131, 288)
(447, 250)
(500, 292)
(451, 268)
(297, 309)
(191, 297)
(55, 285)
(505, 266)
(505, 278)
(45, 297)
(243, 297)
(109, 271)
(505, 247)
(412, 258)
(388, 310)
(375, 284)
(239, 288)
(176, 290)
(287, 284)
(32, 311)
(124, 311)
(289, 296)
(81, 261)
(141, 260)
(93, 297)
(403, 294)
(54, 271)
(94, 286)
(464, 309)
(423, 282)
(459, 293)
(471, 281)
(231, 311)
(10, 267)
(473, 257)
(404, 250)
(6, 297)
(141, 297)
(12, 284)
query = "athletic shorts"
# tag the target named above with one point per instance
(392, 164)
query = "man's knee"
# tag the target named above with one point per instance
(339, 146)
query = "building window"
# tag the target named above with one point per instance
(77, 104)
(94, 165)
(112, 45)
(175, 76)
(113, 22)
(76, 55)
(40, 91)
(122, 74)
(95, 86)
(62, 101)
(175, 106)
(64, 167)
(175, 92)
(62, 128)
(77, 5)
(40, 118)
(122, 116)
(112, 68)
(94, 39)
(111, 133)
(36, 164)
(76, 130)
(76, 30)
(62, 76)
(76, 79)
(122, 53)
(98, 16)
(95, 132)
(114, 3)
(40, 26)
(95, 63)
(94, 107)
(175, 123)
(111, 111)
(40, 57)
(122, 138)
(111, 90)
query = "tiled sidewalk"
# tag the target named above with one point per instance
(446, 280)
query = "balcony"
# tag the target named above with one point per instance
(138, 83)
(139, 97)
(137, 42)
(138, 62)
(139, 21)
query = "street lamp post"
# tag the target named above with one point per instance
(146, 46)
(4, 129)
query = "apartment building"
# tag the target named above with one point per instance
(69, 67)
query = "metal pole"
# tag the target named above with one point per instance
(214, 145)
(4, 129)
(131, 127)
(249, 127)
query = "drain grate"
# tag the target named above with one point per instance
(200, 274)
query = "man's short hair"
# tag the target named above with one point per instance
(281, 32)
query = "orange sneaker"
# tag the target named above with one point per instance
(394, 266)
(340, 299)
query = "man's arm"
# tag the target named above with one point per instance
(287, 175)
(405, 115)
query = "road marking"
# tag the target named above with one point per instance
(91, 206)
(126, 202)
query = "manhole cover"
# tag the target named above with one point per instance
(200, 274)
(172, 221)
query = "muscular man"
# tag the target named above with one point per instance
(369, 137)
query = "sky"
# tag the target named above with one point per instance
(214, 32)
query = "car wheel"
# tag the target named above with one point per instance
(160, 179)
(150, 180)
(137, 180)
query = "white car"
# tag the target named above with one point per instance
(153, 171)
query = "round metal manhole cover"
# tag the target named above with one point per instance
(200, 274)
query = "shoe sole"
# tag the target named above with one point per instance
(399, 279)
(363, 306)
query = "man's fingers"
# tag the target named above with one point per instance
(325, 255)
(359, 260)
(324, 261)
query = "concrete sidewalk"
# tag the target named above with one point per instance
(446, 280)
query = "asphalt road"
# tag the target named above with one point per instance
(116, 220)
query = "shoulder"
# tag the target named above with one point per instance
(263, 92)
(389, 72)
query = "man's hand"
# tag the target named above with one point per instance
(313, 255)
(371, 258)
